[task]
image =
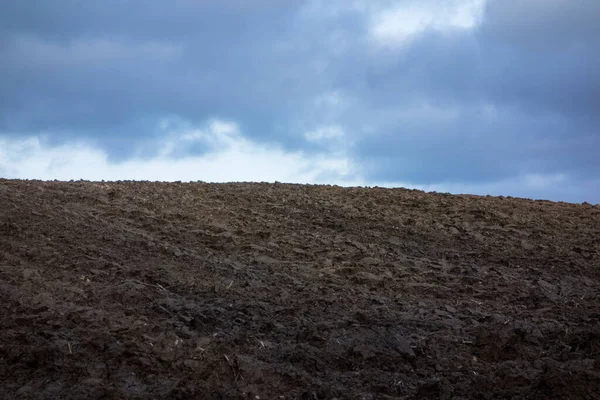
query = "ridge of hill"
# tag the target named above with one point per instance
(248, 290)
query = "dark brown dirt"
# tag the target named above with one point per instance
(224, 291)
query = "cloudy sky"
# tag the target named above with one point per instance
(496, 97)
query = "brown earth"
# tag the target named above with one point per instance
(272, 291)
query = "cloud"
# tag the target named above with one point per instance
(31, 52)
(230, 157)
(465, 93)
(401, 23)
(546, 25)
(325, 134)
(334, 100)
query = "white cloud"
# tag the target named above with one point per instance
(398, 25)
(231, 157)
(234, 157)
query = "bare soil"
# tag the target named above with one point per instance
(274, 291)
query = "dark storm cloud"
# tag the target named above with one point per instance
(491, 149)
(546, 55)
(535, 64)
(518, 94)
(144, 19)
(546, 25)
(98, 68)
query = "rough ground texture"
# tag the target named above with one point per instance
(225, 291)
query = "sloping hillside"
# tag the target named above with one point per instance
(276, 291)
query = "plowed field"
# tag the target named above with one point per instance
(274, 291)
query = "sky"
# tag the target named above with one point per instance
(498, 97)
